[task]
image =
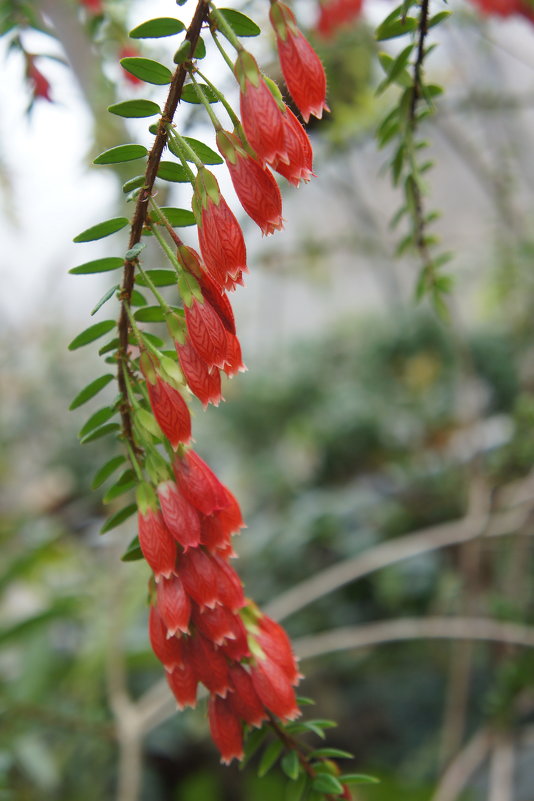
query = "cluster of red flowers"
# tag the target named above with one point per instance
(201, 626)
(506, 8)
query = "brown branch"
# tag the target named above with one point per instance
(141, 209)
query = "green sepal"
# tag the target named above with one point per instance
(189, 288)
(207, 188)
(156, 467)
(145, 497)
(176, 327)
(148, 422)
(148, 366)
(276, 93)
(246, 69)
(171, 371)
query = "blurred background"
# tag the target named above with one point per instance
(382, 456)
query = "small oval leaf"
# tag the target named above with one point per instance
(240, 23)
(189, 94)
(150, 314)
(205, 153)
(178, 218)
(97, 266)
(358, 778)
(91, 390)
(119, 517)
(169, 171)
(106, 471)
(146, 69)
(133, 552)
(157, 28)
(135, 108)
(133, 183)
(96, 420)
(326, 783)
(97, 433)
(93, 332)
(104, 299)
(102, 229)
(158, 278)
(269, 757)
(116, 155)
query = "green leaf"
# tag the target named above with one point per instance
(96, 419)
(390, 30)
(189, 94)
(205, 153)
(295, 790)
(106, 471)
(134, 251)
(169, 171)
(137, 299)
(119, 517)
(133, 183)
(269, 757)
(302, 700)
(98, 433)
(133, 552)
(92, 333)
(147, 70)
(200, 49)
(135, 108)
(61, 608)
(113, 344)
(326, 783)
(105, 297)
(97, 266)
(116, 155)
(331, 752)
(358, 778)
(239, 23)
(437, 18)
(150, 314)
(158, 278)
(101, 230)
(291, 765)
(127, 481)
(178, 218)
(157, 28)
(91, 390)
(252, 744)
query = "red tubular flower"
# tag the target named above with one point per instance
(233, 360)
(260, 113)
(203, 382)
(210, 665)
(301, 66)
(237, 649)
(40, 85)
(274, 689)
(170, 410)
(200, 577)
(183, 682)
(219, 234)
(254, 184)
(299, 166)
(199, 484)
(157, 544)
(180, 517)
(277, 645)
(336, 13)
(226, 729)
(174, 606)
(229, 586)
(206, 332)
(169, 650)
(216, 624)
(245, 701)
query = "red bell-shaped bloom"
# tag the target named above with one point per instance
(261, 115)
(226, 729)
(229, 586)
(299, 166)
(245, 701)
(274, 689)
(233, 359)
(218, 527)
(254, 184)
(171, 411)
(336, 13)
(237, 648)
(180, 517)
(174, 606)
(277, 646)
(210, 664)
(216, 624)
(219, 234)
(301, 66)
(200, 577)
(183, 682)
(206, 332)
(199, 484)
(157, 543)
(203, 381)
(169, 650)
(219, 300)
